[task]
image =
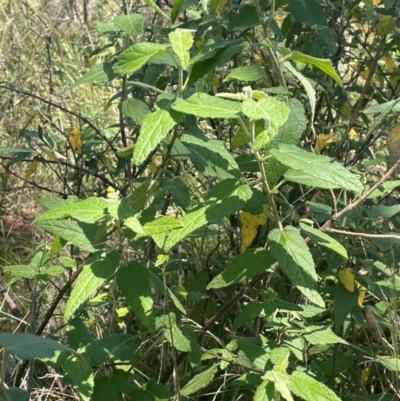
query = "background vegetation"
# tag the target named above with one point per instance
(196, 201)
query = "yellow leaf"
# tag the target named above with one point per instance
(32, 169)
(353, 133)
(215, 81)
(75, 140)
(110, 189)
(389, 63)
(364, 375)
(153, 167)
(393, 144)
(361, 293)
(250, 222)
(221, 5)
(365, 73)
(322, 141)
(50, 153)
(346, 277)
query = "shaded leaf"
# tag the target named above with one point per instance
(134, 282)
(29, 346)
(117, 347)
(248, 264)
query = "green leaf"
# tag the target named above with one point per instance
(89, 210)
(275, 111)
(324, 239)
(307, 86)
(176, 8)
(392, 105)
(390, 363)
(177, 339)
(97, 269)
(324, 65)
(321, 335)
(161, 225)
(135, 109)
(265, 392)
(226, 50)
(161, 288)
(79, 234)
(281, 387)
(118, 347)
(209, 48)
(102, 73)
(308, 388)
(246, 17)
(248, 264)
(52, 201)
(254, 356)
(295, 125)
(24, 271)
(16, 394)
(29, 346)
(318, 166)
(294, 257)
(181, 41)
(12, 149)
(215, 156)
(136, 56)
(155, 128)
(131, 24)
(344, 302)
(382, 211)
(104, 389)
(280, 358)
(247, 314)
(154, 5)
(234, 199)
(179, 190)
(105, 27)
(134, 282)
(385, 187)
(190, 222)
(227, 197)
(246, 73)
(80, 374)
(142, 196)
(303, 178)
(206, 106)
(264, 138)
(133, 224)
(290, 132)
(312, 13)
(199, 381)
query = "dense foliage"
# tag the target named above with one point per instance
(224, 222)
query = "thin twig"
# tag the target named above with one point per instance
(363, 235)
